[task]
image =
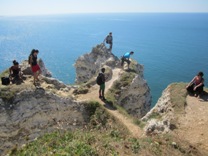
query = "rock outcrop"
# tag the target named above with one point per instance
(35, 112)
(134, 95)
(26, 69)
(160, 116)
(89, 65)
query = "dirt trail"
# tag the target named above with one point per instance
(194, 124)
(93, 95)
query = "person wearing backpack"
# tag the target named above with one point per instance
(125, 58)
(109, 40)
(101, 83)
(34, 65)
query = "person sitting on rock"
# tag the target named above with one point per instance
(15, 72)
(109, 40)
(34, 65)
(101, 78)
(196, 85)
(126, 58)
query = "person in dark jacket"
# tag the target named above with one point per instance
(102, 85)
(109, 40)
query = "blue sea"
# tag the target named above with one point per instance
(173, 47)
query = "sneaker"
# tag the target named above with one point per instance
(100, 97)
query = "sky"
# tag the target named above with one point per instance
(45, 7)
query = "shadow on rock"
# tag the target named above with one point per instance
(204, 97)
(109, 105)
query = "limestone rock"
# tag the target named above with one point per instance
(26, 69)
(57, 84)
(136, 98)
(36, 112)
(88, 65)
(160, 116)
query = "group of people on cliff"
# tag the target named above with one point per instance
(195, 87)
(15, 73)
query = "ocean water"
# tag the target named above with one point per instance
(172, 47)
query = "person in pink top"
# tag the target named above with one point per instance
(196, 85)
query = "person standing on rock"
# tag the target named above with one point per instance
(109, 40)
(34, 65)
(196, 85)
(101, 82)
(126, 58)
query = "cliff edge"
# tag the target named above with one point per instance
(180, 114)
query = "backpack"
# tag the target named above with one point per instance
(99, 79)
(5, 81)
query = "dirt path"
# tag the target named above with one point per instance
(194, 124)
(93, 95)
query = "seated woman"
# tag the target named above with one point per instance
(196, 85)
(15, 72)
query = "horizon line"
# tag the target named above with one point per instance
(102, 13)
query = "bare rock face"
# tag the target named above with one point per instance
(137, 100)
(135, 97)
(88, 65)
(26, 69)
(35, 112)
(159, 117)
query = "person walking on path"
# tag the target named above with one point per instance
(126, 58)
(109, 40)
(196, 85)
(34, 65)
(101, 81)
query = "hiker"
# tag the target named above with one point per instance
(109, 40)
(15, 72)
(196, 85)
(34, 65)
(126, 58)
(101, 82)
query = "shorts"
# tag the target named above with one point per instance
(102, 86)
(35, 68)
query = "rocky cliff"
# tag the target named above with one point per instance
(89, 65)
(159, 117)
(133, 91)
(181, 115)
(28, 111)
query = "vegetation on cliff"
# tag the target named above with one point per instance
(104, 136)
